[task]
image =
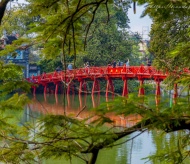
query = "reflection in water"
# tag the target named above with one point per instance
(130, 152)
(77, 106)
(141, 147)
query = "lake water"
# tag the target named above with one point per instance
(130, 152)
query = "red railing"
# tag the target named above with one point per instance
(143, 72)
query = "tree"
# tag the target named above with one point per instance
(169, 31)
(61, 28)
(166, 37)
(16, 20)
(170, 47)
(108, 41)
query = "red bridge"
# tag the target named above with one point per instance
(94, 74)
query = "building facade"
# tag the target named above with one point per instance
(20, 57)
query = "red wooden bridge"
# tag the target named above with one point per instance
(108, 73)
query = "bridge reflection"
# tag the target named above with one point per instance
(78, 106)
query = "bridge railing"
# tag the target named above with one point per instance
(130, 71)
(135, 70)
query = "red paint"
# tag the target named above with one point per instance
(105, 73)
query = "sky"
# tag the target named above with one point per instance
(137, 24)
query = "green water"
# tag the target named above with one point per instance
(130, 152)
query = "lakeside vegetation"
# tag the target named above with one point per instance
(78, 31)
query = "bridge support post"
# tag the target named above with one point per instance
(109, 86)
(73, 89)
(45, 88)
(125, 88)
(69, 87)
(96, 86)
(82, 86)
(85, 87)
(56, 87)
(175, 95)
(141, 88)
(34, 90)
(158, 91)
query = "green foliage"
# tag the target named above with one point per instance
(165, 41)
(106, 42)
(171, 149)
(166, 9)
(16, 20)
(11, 79)
(55, 136)
(169, 33)
(49, 65)
(137, 57)
(63, 23)
(61, 30)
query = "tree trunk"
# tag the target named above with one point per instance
(3, 5)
